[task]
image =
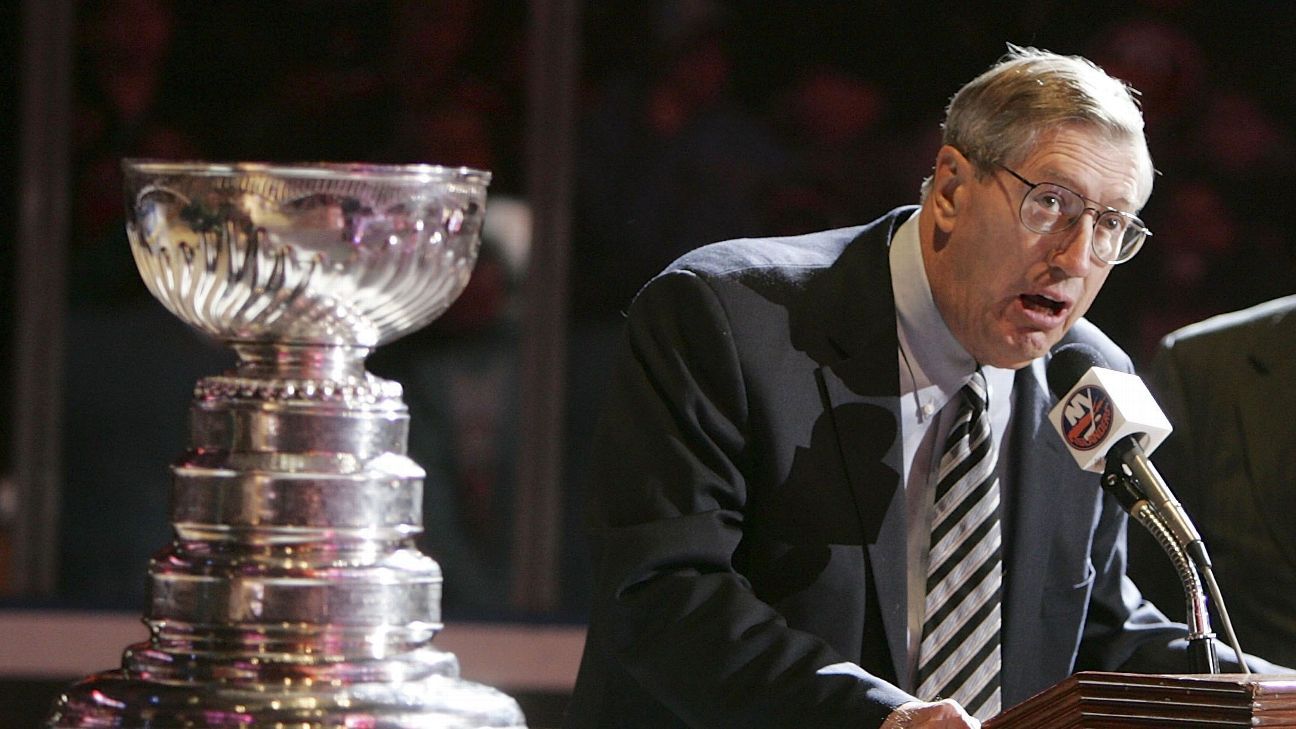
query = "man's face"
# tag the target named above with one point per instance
(1006, 293)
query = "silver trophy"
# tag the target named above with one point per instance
(293, 594)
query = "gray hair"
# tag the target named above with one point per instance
(999, 116)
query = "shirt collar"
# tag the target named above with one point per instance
(933, 354)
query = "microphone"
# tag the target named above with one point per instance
(1109, 419)
(1110, 422)
(1099, 407)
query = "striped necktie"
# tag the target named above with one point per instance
(960, 654)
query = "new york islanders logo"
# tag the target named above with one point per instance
(1087, 417)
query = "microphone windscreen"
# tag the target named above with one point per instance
(1069, 363)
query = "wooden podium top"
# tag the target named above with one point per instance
(1137, 701)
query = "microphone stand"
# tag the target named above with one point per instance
(1201, 644)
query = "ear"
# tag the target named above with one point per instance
(950, 183)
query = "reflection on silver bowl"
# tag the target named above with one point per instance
(311, 254)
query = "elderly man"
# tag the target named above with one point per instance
(825, 494)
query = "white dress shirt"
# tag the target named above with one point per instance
(933, 368)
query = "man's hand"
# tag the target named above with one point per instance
(945, 714)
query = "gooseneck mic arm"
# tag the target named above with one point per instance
(1201, 645)
(1117, 407)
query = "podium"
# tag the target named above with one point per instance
(1135, 701)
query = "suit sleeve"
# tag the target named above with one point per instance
(1122, 630)
(667, 514)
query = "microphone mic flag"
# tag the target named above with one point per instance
(1098, 407)
(1101, 414)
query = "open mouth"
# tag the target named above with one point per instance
(1044, 304)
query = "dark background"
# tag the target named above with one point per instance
(698, 121)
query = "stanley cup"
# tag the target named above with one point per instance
(293, 594)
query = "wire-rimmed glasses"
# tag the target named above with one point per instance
(1049, 207)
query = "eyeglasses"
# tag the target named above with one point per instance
(1051, 208)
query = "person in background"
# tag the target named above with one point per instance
(1226, 385)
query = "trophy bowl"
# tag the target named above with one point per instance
(312, 254)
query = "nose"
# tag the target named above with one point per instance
(1073, 255)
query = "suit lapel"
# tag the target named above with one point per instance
(871, 454)
(859, 382)
(1030, 509)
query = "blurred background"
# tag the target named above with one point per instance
(620, 134)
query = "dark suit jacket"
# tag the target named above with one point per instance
(747, 519)
(1228, 385)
